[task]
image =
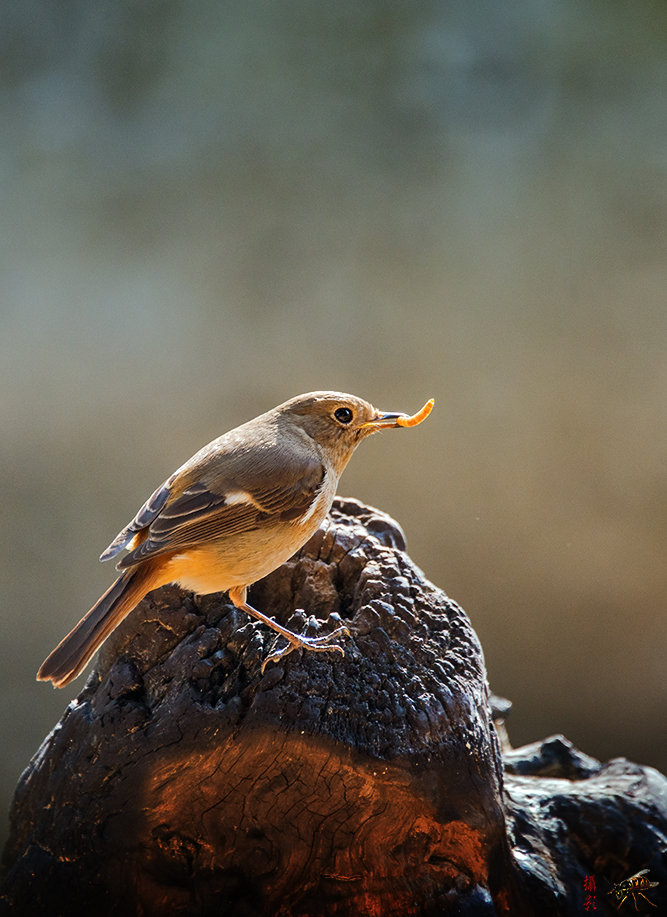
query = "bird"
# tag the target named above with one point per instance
(233, 513)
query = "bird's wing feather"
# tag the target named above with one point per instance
(148, 512)
(230, 498)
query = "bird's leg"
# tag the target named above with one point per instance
(238, 598)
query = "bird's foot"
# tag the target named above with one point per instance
(322, 644)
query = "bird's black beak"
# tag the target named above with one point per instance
(382, 421)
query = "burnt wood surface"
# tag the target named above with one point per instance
(182, 781)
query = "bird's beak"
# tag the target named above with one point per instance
(382, 421)
(385, 420)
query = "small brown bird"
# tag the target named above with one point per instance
(235, 511)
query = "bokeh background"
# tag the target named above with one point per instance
(210, 207)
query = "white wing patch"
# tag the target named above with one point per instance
(238, 496)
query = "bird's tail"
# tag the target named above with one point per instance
(75, 650)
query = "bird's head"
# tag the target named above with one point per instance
(338, 422)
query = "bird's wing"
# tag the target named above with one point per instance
(148, 512)
(232, 496)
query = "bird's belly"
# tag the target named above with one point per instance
(238, 560)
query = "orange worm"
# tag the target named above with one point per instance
(418, 417)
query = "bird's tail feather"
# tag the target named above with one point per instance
(75, 650)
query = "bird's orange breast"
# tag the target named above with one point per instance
(239, 560)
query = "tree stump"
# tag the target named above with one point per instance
(183, 781)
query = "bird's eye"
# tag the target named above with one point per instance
(343, 415)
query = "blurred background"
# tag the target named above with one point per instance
(209, 207)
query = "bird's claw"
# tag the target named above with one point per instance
(316, 644)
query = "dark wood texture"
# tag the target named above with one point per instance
(182, 781)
